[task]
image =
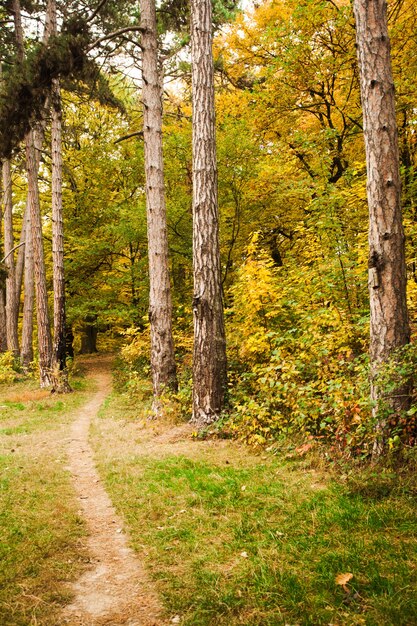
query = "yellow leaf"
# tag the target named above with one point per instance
(343, 579)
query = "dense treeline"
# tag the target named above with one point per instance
(292, 206)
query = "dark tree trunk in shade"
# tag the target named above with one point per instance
(89, 336)
(389, 327)
(209, 359)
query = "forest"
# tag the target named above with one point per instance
(209, 230)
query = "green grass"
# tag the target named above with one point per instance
(40, 528)
(232, 538)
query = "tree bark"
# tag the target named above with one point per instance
(389, 327)
(160, 303)
(59, 344)
(20, 261)
(42, 312)
(209, 362)
(32, 141)
(12, 305)
(26, 355)
(3, 337)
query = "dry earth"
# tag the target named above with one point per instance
(114, 591)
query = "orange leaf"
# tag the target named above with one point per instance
(343, 579)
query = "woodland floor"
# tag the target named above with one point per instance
(108, 518)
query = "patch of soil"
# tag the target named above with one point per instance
(114, 591)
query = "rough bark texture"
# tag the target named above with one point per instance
(160, 305)
(58, 232)
(209, 364)
(59, 344)
(12, 305)
(33, 143)
(26, 354)
(20, 261)
(42, 312)
(3, 338)
(389, 329)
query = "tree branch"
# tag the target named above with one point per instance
(115, 34)
(19, 245)
(97, 9)
(139, 133)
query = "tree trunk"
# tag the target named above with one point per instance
(389, 328)
(59, 345)
(89, 336)
(42, 312)
(33, 138)
(26, 356)
(160, 304)
(20, 261)
(209, 363)
(12, 305)
(3, 337)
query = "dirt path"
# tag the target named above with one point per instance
(114, 591)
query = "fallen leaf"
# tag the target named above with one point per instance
(343, 579)
(301, 450)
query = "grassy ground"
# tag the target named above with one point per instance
(235, 538)
(39, 523)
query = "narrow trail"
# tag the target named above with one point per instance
(114, 591)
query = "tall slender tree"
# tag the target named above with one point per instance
(160, 303)
(3, 337)
(12, 305)
(32, 165)
(26, 354)
(209, 359)
(389, 327)
(59, 343)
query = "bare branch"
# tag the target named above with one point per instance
(137, 134)
(115, 34)
(19, 245)
(95, 12)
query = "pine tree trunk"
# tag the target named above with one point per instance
(42, 312)
(209, 363)
(389, 328)
(12, 305)
(59, 344)
(58, 234)
(26, 355)
(3, 337)
(20, 262)
(33, 143)
(160, 304)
